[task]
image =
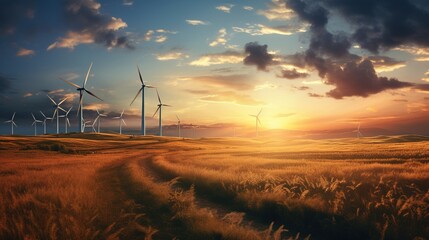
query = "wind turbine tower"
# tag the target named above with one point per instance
(160, 105)
(98, 119)
(66, 116)
(178, 126)
(12, 123)
(258, 122)
(141, 90)
(44, 121)
(35, 124)
(121, 120)
(81, 90)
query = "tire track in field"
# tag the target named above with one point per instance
(219, 210)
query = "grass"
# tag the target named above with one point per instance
(105, 186)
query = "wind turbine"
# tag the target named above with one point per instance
(12, 123)
(35, 124)
(81, 91)
(85, 125)
(57, 107)
(44, 121)
(67, 121)
(178, 126)
(257, 120)
(121, 120)
(99, 119)
(141, 90)
(358, 132)
(160, 105)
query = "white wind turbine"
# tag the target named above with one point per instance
(81, 91)
(98, 119)
(57, 112)
(358, 132)
(12, 123)
(258, 122)
(35, 124)
(141, 90)
(178, 126)
(44, 121)
(86, 125)
(160, 105)
(66, 116)
(121, 120)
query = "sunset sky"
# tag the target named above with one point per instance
(310, 65)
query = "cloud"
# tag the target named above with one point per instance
(157, 35)
(29, 94)
(260, 29)
(284, 115)
(221, 38)
(302, 88)
(385, 64)
(315, 95)
(422, 53)
(277, 10)
(88, 25)
(257, 55)
(127, 2)
(230, 57)
(225, 8)
(196, 22)
(292, 74)
(400, 100)
(13, 12)
(5, 84)
(70, 76)
(328, 53)
(25, 52)
(172, 55)
(225, 97)
(236, 82)
(148, 35)
(248, 8)
(359, 79)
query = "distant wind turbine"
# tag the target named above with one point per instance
(35, 124)
(178, 126)
(98, 119)
(160, 105)
(44, 121)
(358, 132)
(141, 90)
(81, 91)
(12, 123)
(57, 112)
(258, 122)
(66, 120)
(86, 125)
(121, 120)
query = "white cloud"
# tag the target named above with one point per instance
(25, 52)
(277, 10)
(230, 57)
(196, 22)
(173, 55)
(221, 38)
(260, 29)
(248, 8)
(225, 8)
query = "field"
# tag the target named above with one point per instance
(87, 186)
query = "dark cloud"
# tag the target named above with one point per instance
(5, 84)
(329, 53)
(88, 25)
(292, 74)
(12, 12)
(359, 79)
(257, 55)
(422, 87)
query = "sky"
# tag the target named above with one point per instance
(311, 66)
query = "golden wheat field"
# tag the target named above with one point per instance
(103, 186)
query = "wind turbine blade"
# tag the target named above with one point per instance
(52, 100)
(138, 93)
(33, 116)
(68, 121)
(13, 116)
(259, 112)
(98, 113)
(87, 75)
(92, 94)
(149, 86)
(71, 83)
(96, 119)
(178, 119)
(69, 110)
(122, 112)
(252, 115)
(140, 75)
(39, 121)
(55, 112)
(8, 121)
(103, 115)
(156, 111)
(62, 101)
(43, 114)
(159, 99)
(116, 117)
(166, 105)
(14, 124)
(33, 123)
(259, 121)
(124, 122)
(80, 104)
(358, 127)
(62, 109)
